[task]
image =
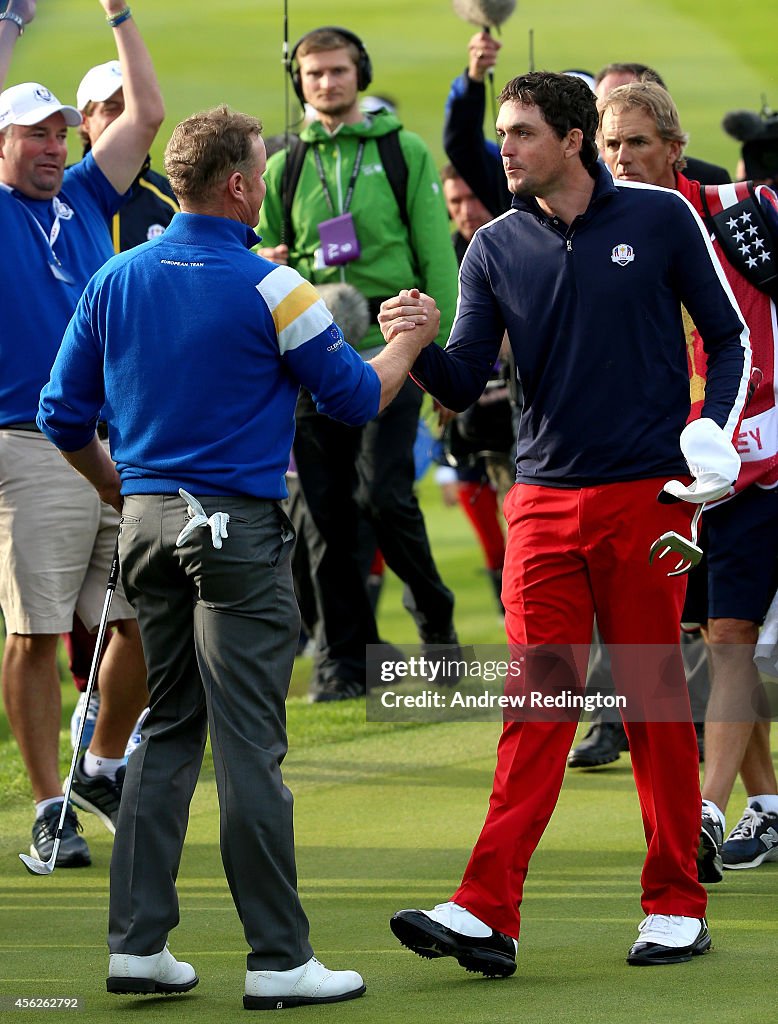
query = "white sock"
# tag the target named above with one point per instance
(41, 805)
(711, 808)
(94, 765)
(767, 801)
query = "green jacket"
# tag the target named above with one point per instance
(389, 259)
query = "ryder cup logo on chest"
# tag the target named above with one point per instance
(61, 210)
(622, 254)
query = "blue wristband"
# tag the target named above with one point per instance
(116, 19)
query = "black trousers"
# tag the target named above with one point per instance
(351, 472)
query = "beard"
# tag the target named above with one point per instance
(524, 186)
(335, 108)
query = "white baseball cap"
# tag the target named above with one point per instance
(30, 103)
(585, 76)
(99, 83)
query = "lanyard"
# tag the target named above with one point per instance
(352, 180)
(49, 240)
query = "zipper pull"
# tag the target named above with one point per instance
(569, 245)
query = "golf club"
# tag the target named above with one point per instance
(688, 549)
(40, 867)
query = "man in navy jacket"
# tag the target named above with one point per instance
(588, 279)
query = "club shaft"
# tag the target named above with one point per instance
(113, 577)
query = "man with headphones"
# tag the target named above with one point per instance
(359, 201)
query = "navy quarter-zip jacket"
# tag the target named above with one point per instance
(593, 314)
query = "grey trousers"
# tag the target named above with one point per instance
(219, 631)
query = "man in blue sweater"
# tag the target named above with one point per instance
(196, 348)
(588, 280)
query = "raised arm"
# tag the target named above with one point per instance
(124, 145)
(10, 30)
(476, 159)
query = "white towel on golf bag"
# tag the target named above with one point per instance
(766, 650)
(712, 461)
(217, 522)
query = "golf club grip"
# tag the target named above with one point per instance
(113, 575)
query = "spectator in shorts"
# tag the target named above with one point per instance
(56, 537)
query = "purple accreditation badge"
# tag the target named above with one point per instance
(338, 240)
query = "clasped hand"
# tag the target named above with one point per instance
(410, 311)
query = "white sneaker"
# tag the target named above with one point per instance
(669, 939)
(307, 984)
(158, 974)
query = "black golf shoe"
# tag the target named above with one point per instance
(667, 939)
(443, 649)
(336, 689)
(709, 865)
(99, 795)
(602, 744)
(73, 851)
(426, 933)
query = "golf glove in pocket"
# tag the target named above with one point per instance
(217, 522)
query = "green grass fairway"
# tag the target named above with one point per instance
(385, 818)
(383, 822)
(386, 815)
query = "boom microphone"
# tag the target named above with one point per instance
(743, 125)
(486, 13)
(349, 309)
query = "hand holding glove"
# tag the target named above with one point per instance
(712, 460)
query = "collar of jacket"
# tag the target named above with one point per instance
(373, 126)
(688, 187)
(203, 229)
(604, 189)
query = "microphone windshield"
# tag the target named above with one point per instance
(488, 13)
(743, 125)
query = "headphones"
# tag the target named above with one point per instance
(364, 67)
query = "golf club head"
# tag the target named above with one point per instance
(671, 541)
(35, 866)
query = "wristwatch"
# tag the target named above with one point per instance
(15, 18)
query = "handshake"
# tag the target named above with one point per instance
(411, 313)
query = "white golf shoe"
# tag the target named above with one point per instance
(158, 974)
(669, 939)
(310, 983)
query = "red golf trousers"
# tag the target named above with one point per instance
(571, 554)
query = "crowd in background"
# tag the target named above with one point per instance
(354, 202)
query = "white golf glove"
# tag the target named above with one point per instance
(217, 522)
(712, 460)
